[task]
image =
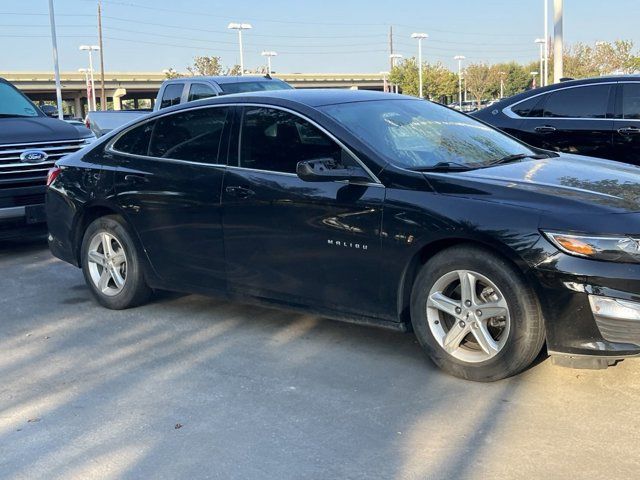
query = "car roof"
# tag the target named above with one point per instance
(224, 79)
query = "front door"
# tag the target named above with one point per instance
(168, 184)
(626, 135)
(303, 243)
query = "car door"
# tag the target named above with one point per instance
(626, 136)
(199, 90)
(576, 119)
(303, 243)
(168, 183)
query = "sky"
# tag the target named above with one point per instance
(321, 36)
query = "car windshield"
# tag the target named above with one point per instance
(255, 86)
(416, 134)
(14, 104)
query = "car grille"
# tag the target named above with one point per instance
(14, 172)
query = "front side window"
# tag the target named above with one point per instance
(171, 95)
(631, 101)
(198, 91)
(275, 140)
(420, 134)
(578, 102)
(254, 86)
(193, 135)
(14, 104)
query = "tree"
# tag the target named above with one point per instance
(205, 66)
(516, 78)
(480, 80)
(439, 83)
(171, 73)
(234, 71)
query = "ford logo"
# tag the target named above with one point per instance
(33, 156)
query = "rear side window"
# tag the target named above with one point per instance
(254, 86)
(198, 91)
(578, 102)
(136, 140)
(529, 107)
(193, 135)
(276, 141)
(631, 101)
(171, 95)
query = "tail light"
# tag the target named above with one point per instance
(53, 174)
(87, 122)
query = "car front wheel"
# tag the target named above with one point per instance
(475, 315)
(111, 264)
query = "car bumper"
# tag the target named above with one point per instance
(591, 308)
(21, 221)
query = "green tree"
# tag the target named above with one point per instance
(481, 81)
(205, 66)
(439, 83)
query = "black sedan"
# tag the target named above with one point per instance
(366, 207)
(599, 117)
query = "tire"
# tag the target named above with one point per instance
(503, 324)
(117, 279)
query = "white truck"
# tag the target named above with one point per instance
(181, 90)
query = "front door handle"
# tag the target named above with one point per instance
(135, 179)
(545, 129)
(240, 192)
(629, 131)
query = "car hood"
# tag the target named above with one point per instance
(567, 183)
(35, 129)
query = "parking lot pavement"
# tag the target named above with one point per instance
(193, 387)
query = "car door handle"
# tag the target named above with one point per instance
(629, 131)
(240, 192)
(135, 179)
(545, 129)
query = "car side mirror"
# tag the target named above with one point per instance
(328, 170)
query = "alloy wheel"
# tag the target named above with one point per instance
(107, 263)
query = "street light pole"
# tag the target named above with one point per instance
(558, 47)
(502, 74)
(240, 27)
(91, 49)
(85, 71)
(546, 43)
(56, 68)
(542, 43)
(459, 58)
(394, 57)
(420, 37)
(533, 74)
(269, 54)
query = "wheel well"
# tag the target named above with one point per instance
(423, 256)
(83, 221)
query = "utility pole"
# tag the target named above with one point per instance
(103, 97)
(546, 43)
(558, 72)
(391, 47)
(56, 68)
(459, 58)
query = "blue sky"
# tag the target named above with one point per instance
(310, 36)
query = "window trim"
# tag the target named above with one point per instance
(109, 147)
(509, 112)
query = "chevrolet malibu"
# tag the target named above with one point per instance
(367, 207)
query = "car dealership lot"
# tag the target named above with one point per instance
(189, 386)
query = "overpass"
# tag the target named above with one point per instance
(127, 90)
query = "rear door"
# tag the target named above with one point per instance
(309, 243)
(171, 95)
(577, 119)
(168, 183)
(627, 124)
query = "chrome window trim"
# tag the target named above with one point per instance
(76, 140)
(288, 174)
(109, 148)
(509, 112)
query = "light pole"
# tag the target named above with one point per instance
(420, 37)
(502, 74)
(240, 27)
(385, 85)
(269, 54)
(533, 74)
(394, 57)
(85, 71)
(558, 48)
(542, 42)
(459, 58)
(56, 68)
(546, 43)
(90, 49)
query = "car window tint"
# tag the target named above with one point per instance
(631, 100)
(193, 135)
(198, 91)
(276, 141)
(254, 86)
(529, 107)
(171, 95)
(579, 102)
(136, 140)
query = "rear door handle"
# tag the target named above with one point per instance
(135, 179)
(240, 192)
(629, 131)
(545, 129)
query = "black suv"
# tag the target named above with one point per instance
(599, 117)
(30, 142)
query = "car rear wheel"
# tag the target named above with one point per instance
(475, 315)
(111, 264)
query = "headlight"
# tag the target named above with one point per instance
(88, 140)
(609, 248)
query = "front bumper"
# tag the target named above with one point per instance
(21, 221)
(576, 326)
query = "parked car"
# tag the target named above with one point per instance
(599, 117)
(181, 90)
(362, 206)
(29, 144)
